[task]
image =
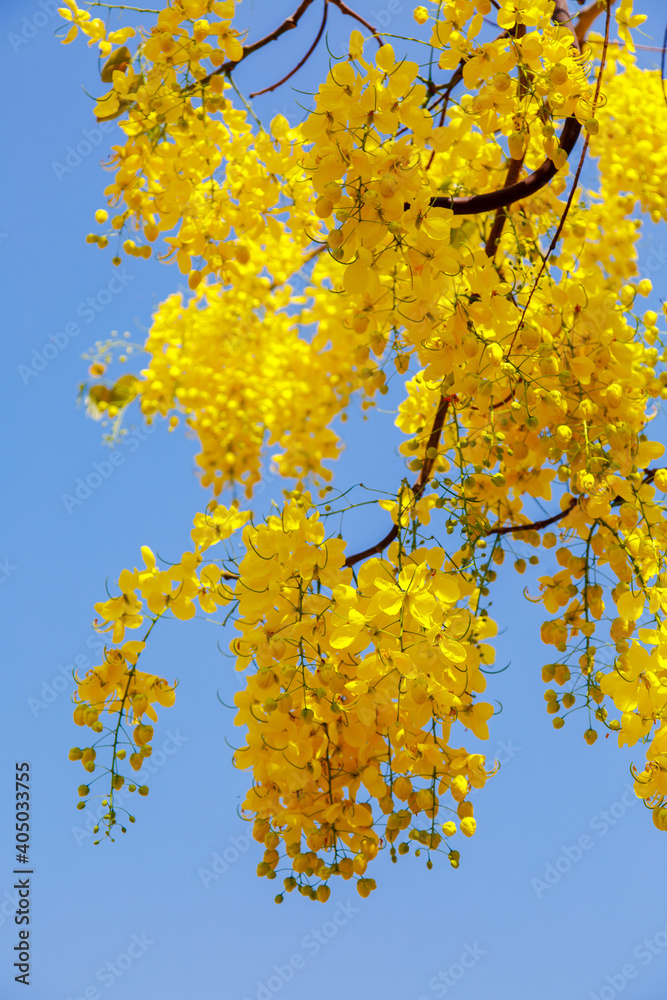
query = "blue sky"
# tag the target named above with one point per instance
(559, 894)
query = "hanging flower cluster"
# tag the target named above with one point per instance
(426, 222)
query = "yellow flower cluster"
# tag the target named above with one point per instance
(353, 698)
(413, 226)
(203, 364)
(117, 687)
(94, 28)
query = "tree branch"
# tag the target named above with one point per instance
(475, 204)
(344, 9)
(420, 484)
(287, 25)
(305, 59)
(648, 477)
(534, 525)
(496, 200)
(586, 18)
(515, 166)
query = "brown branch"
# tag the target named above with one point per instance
(305, 59)
(446, 89)
(586, 18)
(496, 200)
(419, 486)
(648, 477)
(433, 442)
(374, 549)
(534, 525)
(491, 201)
(575, 183)
(514, 169)
(344, 9)
(287, 25)
(561, 15)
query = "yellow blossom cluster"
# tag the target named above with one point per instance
(352, 701)
(428, 222)
(203, 364)
(116, 687)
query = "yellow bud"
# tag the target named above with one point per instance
(365, 886)
(143, 735)
(388, 185)
(459, 787)
(468, 826)
(660, 480)
(558, 74)
(323, 207)
(660, 818)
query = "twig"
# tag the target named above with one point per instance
(586, 18)
(420, 484)
(573, 189)
(514, 169)
(305, 59)
(495, 200)
(344, 9)
(287, 25)
(649, 476)
(534, 525)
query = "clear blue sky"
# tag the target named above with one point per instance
(560, 893)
